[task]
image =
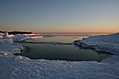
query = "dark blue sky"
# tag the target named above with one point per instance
(60, 15)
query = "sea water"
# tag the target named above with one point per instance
(43, 48)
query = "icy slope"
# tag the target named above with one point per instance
(6, 40)
(11, 47)
(7, 45)
(107, 43)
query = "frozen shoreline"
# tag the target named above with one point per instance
(19, 67)
(105, 43)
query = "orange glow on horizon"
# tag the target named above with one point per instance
(85, 32)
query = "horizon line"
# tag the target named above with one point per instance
(77, 32)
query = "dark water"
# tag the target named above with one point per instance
(69, 52)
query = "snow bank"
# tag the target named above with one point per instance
(34, 36)
(21, 37)
(6, 40)
(7, 35)
(7, 45)
(11, 47)
(106, 43)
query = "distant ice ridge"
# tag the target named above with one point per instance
(34, 36)
(20, 37)
(106, 43)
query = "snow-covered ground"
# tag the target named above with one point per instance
(107, 43)
(6, 40)
(11, 47)
(19, 67)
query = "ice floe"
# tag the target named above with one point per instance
(55, 42)
(20, 37)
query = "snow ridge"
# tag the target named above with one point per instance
(106, 43)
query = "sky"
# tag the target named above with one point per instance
(59, 15)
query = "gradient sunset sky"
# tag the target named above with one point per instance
(60, 15)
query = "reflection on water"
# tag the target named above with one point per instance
(61, 52)
(64, 39)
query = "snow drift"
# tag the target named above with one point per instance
(6, 40)
(106, 43)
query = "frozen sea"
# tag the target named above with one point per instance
(61, 47)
